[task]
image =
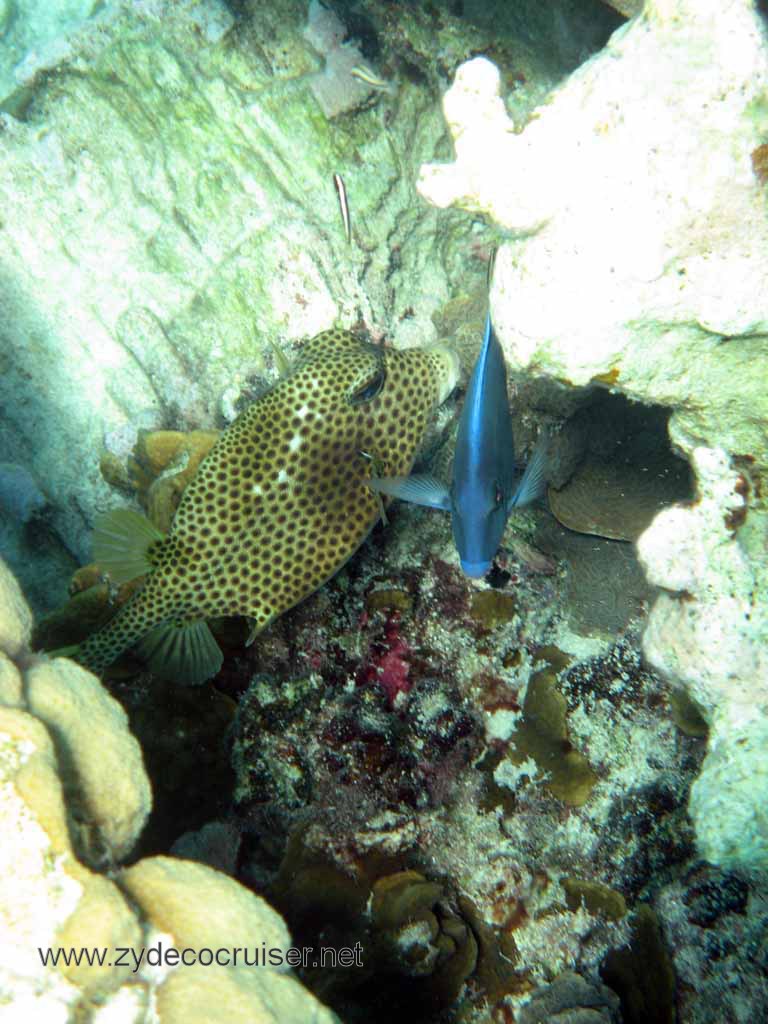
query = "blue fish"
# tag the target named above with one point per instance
(483, 491)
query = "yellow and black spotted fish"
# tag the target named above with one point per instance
(277, 506)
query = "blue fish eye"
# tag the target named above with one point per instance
(498, 496)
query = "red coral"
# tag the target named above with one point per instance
(388, 662)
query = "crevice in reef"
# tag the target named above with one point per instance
(612, 470)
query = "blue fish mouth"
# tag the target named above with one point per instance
(476, 569)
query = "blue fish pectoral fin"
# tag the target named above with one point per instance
(123, 542)
(420, 489)
(184, 652)
(533, 483)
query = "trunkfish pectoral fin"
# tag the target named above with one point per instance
(183, 651)
(124, 543)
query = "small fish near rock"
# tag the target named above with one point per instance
(485, 487)
(276, 508)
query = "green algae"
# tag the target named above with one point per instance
(686, 715)
(410, 930)
(490, 608)
(388, 600)
(499, 972)
(594, 897)
(553, 656)
(543, 736)
(402, 897)
(512, 658)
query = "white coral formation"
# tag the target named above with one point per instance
(70, 766)
(635, 201)
(100, 763)
(335, 88)
(713, 640)
(640, 217)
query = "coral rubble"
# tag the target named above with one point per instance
(539, 791)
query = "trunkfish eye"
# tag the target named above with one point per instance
(370, 389)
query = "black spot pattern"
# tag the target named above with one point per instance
(280, 502)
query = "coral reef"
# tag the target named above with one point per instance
(104, 783)
(716, 923)
(545, 788)
(203, 226)
(405, 719)
(73, 792)
(570, 999)
(500, 788)
(335, 88)
(624, 470)
(413, 932)
(153, 283)
(636, 313)
(709, 634)
(678, 319)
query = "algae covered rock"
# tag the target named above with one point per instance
(626, 471)
(32, 34)
(571, 999)
(677, 316)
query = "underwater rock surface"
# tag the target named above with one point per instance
(168, 211)
(407, 719)
(34, 35)
(710, 637)
(160, 226)
(637, 196)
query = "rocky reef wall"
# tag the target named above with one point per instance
(634, 207)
